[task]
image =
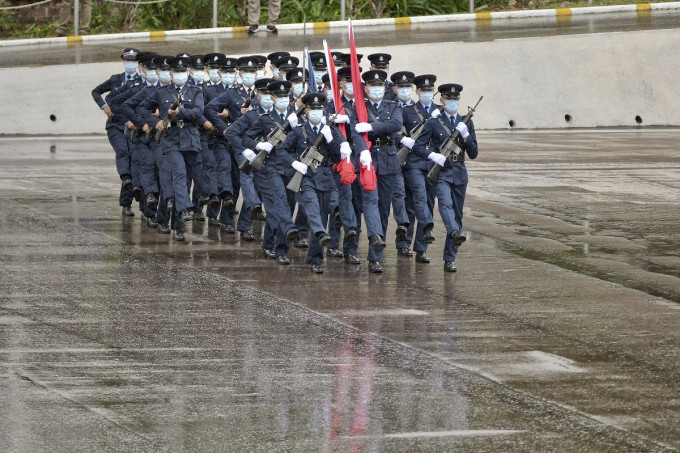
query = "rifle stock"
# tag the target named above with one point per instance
(275, 138)
(449, 148)
(166, 118)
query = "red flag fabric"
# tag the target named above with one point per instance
(345, 168)
(369, 181)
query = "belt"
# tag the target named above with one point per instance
(181, 124)
(383, 142)
(458, 157)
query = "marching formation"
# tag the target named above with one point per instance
(311, 151)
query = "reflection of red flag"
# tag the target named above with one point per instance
(335, 88)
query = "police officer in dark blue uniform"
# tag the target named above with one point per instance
(419, 189)
(384, 121)
(382, 61)
(452, 184)
(181, 140)
(273, 59)
(285, 64)
(317, 187)
(270, 181)
(114, 129)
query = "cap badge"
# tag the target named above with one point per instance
(316, 99)
(404, 77)
(381, 58)
(427, 81)
(283, 88)
(376, 76)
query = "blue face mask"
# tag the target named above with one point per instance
(266, 101)
(349, 88)
(130, 66)
(248, 79)
(297, 89)
(329, 95)
(426, 97)
(214, 75)
(180, 78)
(282, 103)
(152, 76)
(376, 93)
(259, 74)
(198, 76)
(164, 76)
(315, 116)
(228, 78)
(318, 75)
(450, 105)
(404, 93)
(277, 72)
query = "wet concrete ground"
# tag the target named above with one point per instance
(560, 332)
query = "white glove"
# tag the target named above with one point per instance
(437, 159)
(293, 119)
(435, 113)
(363, 127)
(327, 133)
(249, 154)
(408, 142)
(365, 158)
(264, 146)
(341, 119)
(299, 166)
(463, 129)
(345, 150)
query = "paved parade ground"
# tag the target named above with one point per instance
(559, 332)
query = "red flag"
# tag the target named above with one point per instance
(333, 77)
(367, 175)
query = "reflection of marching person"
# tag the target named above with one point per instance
(453, 179)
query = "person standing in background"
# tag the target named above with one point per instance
(254, 15)
(66, 17)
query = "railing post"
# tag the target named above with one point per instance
(214, 13)
(342, 9)
(76, 17)
(472, 6)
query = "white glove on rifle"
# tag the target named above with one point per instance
(341, 119)
(249, 154)
(299, 166)
(463, 129)
(292, 119)
(363, 127)
(437, 158)
(435, 113)
(345, 150)
(408, 142)
(365, 158)
(327, 133)
(264, 146)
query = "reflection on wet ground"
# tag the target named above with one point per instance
(558, 333)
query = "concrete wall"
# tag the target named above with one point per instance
(604, 79)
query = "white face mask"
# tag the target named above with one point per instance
(248, 79)
(228, 78)
(152, 76)
(198, 76)
(164, 76)
(214, 75)
(404, 93)
(297, 89)
(180, 78)
(318, 75)
(266, 101)
(349, 89)
(315, 116)
(282, 103)
(259, 74)
(277, 72)
(130, 67)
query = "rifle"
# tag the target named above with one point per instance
(450, 148)
(311, 157)
(275, 138)
(402, 154)
(166, 118)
